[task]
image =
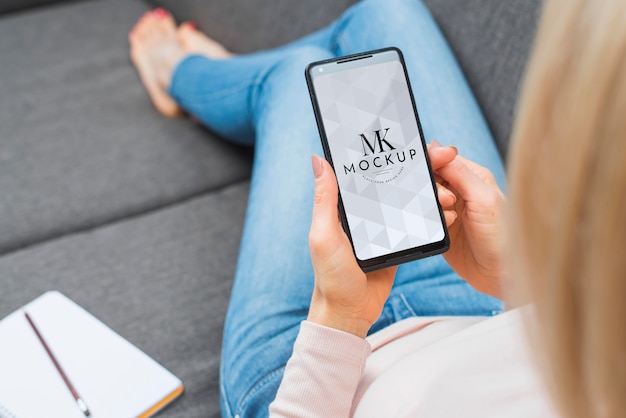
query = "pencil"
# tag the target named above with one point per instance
(79, 401)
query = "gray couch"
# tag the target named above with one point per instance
(137, 217)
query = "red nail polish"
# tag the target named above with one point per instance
(160, 12)
(192, 25)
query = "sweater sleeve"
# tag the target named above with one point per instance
(322, 374)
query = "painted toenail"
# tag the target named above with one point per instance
(192, 25)
(160, 12)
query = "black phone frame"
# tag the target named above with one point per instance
(399, 257)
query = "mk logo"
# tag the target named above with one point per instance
(377, 140)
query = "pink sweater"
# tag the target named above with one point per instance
(420, 367)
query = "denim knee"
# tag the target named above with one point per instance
(388, 9)
(257, 401)
(251, 372)
(286, 78)
(295, 60)
(374, 24)
(288, 71)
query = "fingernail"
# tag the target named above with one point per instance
(435, 143)
(456, 150)
(318, 168)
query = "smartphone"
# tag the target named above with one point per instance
(372, 136)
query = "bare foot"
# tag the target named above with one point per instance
(195, 42)
(155, 51)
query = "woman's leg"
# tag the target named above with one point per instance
(274, 278)
(220, 93)
(263, 94)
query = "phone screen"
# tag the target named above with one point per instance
(373, 139)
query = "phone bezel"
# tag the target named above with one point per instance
(398, 257)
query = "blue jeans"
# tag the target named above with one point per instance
(261, 99)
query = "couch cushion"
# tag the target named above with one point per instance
(162, 281)
(80, 142)
(491, 40)
(22, 5)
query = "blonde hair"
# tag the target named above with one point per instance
(567, 228)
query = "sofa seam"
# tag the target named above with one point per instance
(115, 220)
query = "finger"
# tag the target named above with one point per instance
(326, 192)
(446, 197)
(432, 144)
(440, 156)
(482, 172)
(441, 180)
(463, 180)
(450, 216)
(325, 225)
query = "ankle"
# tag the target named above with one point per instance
(165, 72)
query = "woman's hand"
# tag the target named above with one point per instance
(344, 297)
(347, 299)
(473, 207)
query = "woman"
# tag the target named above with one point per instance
(564, 229)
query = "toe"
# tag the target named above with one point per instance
(184, 33)
(165, 22)
(143, 27)
(187, 27)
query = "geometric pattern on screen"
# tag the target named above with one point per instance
(377, 152)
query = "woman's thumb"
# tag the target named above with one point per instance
(325, 220)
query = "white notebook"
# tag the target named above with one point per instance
(114, 378)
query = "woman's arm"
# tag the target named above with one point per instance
(322, 374)
(330, 352)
